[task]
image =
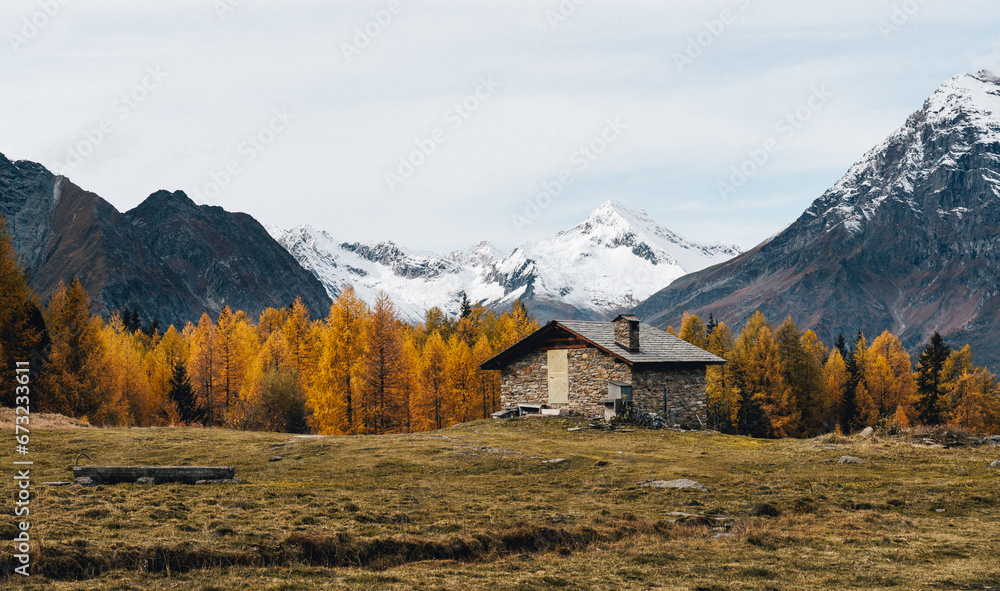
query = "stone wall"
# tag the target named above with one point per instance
(525, 381)
(685, 389)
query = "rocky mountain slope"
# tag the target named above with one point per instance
(168, 258)
(907, 240)
(606, 264)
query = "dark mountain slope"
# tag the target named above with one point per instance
(168, 258)
(907, 240)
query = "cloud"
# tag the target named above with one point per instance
(558, 81)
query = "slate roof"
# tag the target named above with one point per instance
(655, 346)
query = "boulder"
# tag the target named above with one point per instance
(85, 481)
(850, 460)
(995, 464)
(681, 483)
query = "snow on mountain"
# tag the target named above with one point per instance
(608, 263)
(614, 259)
(905, 241)
(961, 115)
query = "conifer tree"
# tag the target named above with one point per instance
(693, 331)
(465, 309)
(23, 336)
(183, 396)
(929, 386)
(434, 383)
(384, 370)
(336, 396)
(721, 389)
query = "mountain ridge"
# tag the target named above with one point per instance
(593, 270)
(168, 258)
(904, 241)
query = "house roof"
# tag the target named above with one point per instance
(655, 345)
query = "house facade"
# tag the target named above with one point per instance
(578, 366)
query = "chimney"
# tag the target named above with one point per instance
(627, 332)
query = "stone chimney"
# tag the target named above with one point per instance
(627, 331)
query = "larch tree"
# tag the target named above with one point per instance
(835, 384)
(76, 381)
(693, 330)
(202, 366)
(22, 329)
(434, 383)
(460, 368)
(892, 394)
(127, 375)
(487, 383)
(766, 404)
(384, 369)
(722, 392)
(801, 372)
(336, 391)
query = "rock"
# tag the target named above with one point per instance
(995, 464)
(274, 459)
(722, 535)
(555, 461)
(850, 460)
(866, 433)
(146, 480)
(681, 483)
(85, 481)
(222, 481)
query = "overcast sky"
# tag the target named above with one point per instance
(440, 123)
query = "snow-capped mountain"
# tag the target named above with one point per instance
(608, 263)
(905, 241)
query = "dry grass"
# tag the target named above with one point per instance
(474, 507)
(42, 420)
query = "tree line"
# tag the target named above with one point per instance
(359, 370)
(782, 382)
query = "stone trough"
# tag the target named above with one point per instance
(158, 474)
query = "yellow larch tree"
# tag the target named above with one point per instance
(460, 369)
(433, 399)
(722, 392)
(335, 392)
(384, 371)
(128, 377)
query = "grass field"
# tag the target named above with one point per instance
(478, 507)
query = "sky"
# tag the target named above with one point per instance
(441, 123)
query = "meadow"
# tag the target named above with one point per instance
(483, 506)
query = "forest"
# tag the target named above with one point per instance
(782, 382)
(361, 370)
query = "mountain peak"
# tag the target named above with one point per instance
(967, 100)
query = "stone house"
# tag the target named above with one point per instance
(582, 367)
